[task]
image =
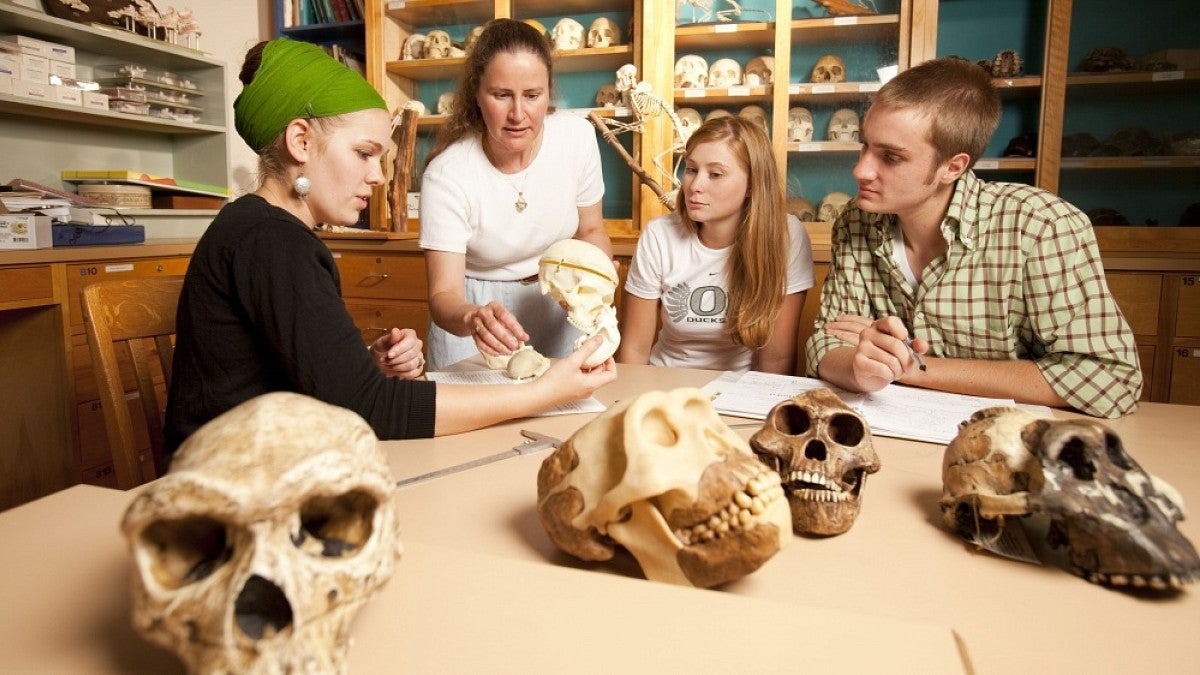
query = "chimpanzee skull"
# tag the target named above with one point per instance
(664, 477)
(756, 114)
(607, 96)
(581, 277)
(437, 44)
(689, 121)
(843, 125)
(802, 209)
(567, 34)
(691, 72)
(445, 102)
(603, 32)
(725, 73)
(414, 47)
(760, 70)
(800, 125)
(273, 527)
(823, 452)
(831, 206)
(829, 68)
(1116, 520)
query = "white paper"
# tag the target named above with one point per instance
(896, 410)
(476, 377)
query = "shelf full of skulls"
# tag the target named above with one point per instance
(422, 47)
(1131, 122)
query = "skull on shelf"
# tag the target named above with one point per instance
(689, 121)
(581, 277)
(603, 32)
(760, 70)
(829, 68)
(802, 209)
(831, 206)
(725, 73)
(438, 44)
(717, 113)
(1105, 60)
(607, 96)
(691, 72)
(664, 477)
(273, 527)
(756, 114)
(823, 452)
(445, 102)
(567, 34)
(1007, 63)
(414, 47)
(800, 125)
(1117, 521)
(472, 36)
(843, 126)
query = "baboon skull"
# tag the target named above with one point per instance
(829, 68)
(581, 277)
(1117, 521)
(823, 452)
(273, 527)
(662, 476)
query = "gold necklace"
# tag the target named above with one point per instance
(520, 204)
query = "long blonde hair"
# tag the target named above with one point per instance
(757, 269)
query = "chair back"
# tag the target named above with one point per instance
(136, 319)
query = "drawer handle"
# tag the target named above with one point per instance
(381, 275)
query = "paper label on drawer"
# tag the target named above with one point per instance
(123, 267)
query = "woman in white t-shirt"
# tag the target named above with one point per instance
(504, 181)
(727, 273)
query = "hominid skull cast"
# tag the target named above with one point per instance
(664, 477)
(823, 452)
(1117, 521)
(273, 527)
(581, 277)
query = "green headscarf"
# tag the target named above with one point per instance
(297, 79)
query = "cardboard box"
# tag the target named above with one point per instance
(34, 68)
(25, 231)
(34, 90)
(10, 64)
(6, 84)
(68, 95)
(94, 100)
(43, 48)
(63, 69)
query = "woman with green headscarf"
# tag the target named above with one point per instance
(261, 307)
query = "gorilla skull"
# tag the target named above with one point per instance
(1116, 520)
(581, 278)
(273, 527)
(823, 452)
(664, 477)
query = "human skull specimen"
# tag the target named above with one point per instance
(758, 115)
(567, 34)
(438, 44)
(273, 527)
(662, 476)
(802, 209)
(581, 277)
(445, 102)
(1117, 521)
(414, 47)
(760, 70)
(725, 73)
(831, 206)
(843, 126)
(823, 452)
(603, 32)
(800, 125)
(829, 68)
(691, 72)
(626, 77)
(689, 121)
(607, 96)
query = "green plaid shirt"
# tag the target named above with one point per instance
(1021, 279)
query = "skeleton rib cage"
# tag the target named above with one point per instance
(646, 105)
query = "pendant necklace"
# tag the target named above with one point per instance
(520, 204)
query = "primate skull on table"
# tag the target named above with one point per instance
(273, 527)
(581, 277)
(823, 452)
(1117, 521)
(662, 476)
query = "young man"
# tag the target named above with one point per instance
(998, 285)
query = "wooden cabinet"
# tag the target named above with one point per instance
(383, 290)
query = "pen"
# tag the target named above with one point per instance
(915, 355)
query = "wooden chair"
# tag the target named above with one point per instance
(136, 316)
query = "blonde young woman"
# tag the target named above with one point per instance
(726, 273)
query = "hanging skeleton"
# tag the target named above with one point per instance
(646, 106)
(704, 11)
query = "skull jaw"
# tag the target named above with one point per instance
(822, 518)
(1151, 555)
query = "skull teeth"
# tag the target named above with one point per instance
(741, 512)
(1155, 582)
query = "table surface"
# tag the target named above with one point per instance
(481, 587)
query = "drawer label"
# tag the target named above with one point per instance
(123, 267)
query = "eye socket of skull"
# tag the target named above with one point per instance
(186, 550)
(336, 526)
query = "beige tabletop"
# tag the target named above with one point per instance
(896, 562)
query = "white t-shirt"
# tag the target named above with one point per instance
(689, 280)
(468, 206)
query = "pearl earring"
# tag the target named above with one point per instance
(302, 186)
